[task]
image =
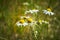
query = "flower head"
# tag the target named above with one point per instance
(32, 11)
(21, 23)
(43, 21)
(30, 21)
(48, 11)
(26, 3)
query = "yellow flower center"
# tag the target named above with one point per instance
(49, 9)
(22, 21)
(29, 20)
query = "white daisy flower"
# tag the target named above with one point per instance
(48, 11)
(46, 22)
(21, 23)
(26, 3)
(43, 21)
(32, 11)
(30, 21)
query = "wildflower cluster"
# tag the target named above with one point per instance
(31, 19)
(25, 20)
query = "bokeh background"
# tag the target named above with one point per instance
(11, 10)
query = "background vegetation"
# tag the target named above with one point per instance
(11, 10)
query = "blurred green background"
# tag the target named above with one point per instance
(11, 10)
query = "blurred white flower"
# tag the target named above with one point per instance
(48, 11)
(21, 23)
(26, 3)
(30, 21)
(43, 21)
(46, 22)
(32, 11)
(35, 32)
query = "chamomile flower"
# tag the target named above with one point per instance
(48, 11)
(21, 23)
(43, 21)
(26, 3)
(46, 22)
(30, 21)
(32, 11)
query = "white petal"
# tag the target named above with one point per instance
(25, 24)
(31, 11)
(48, 12)
(18, 24)
(52, 13)
(44, 11)
(27, 12)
